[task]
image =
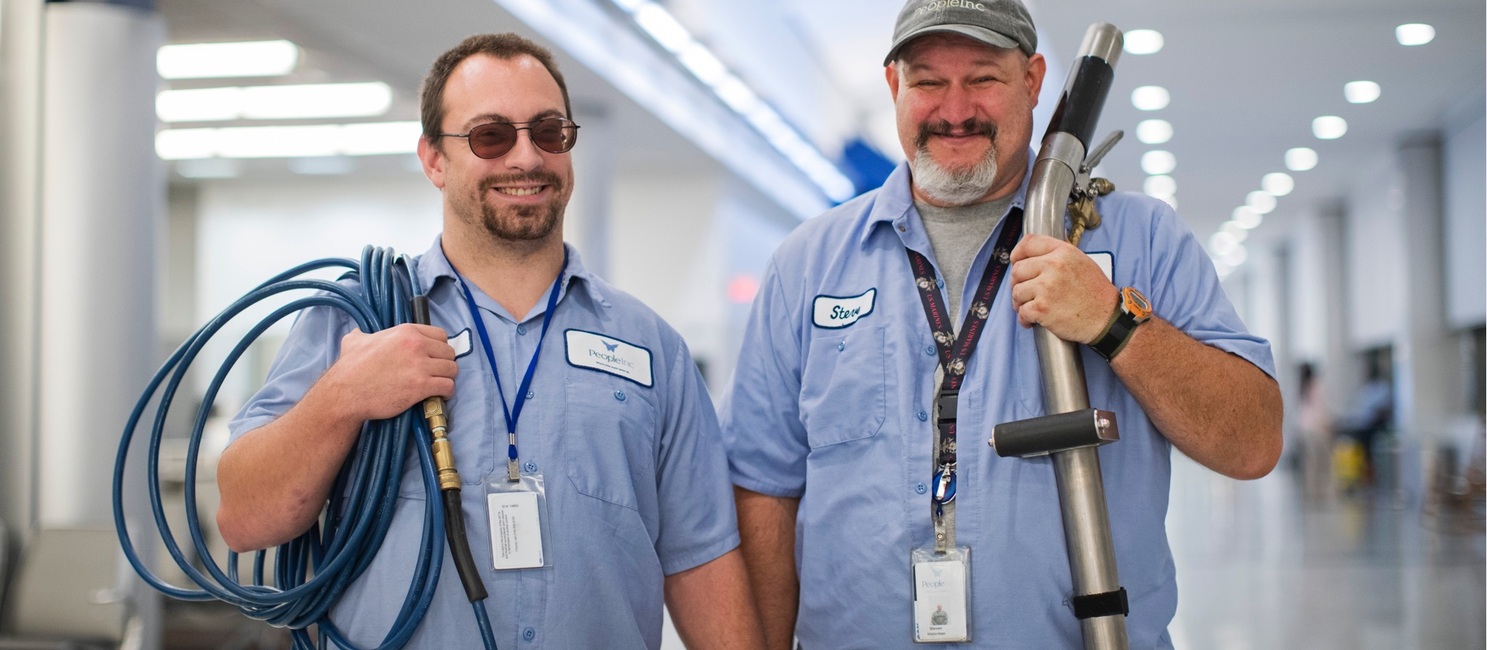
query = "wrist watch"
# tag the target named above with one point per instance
(1131, 310)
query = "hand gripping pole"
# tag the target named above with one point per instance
(1072, 431)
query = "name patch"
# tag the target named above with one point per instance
(1106, 261)
(609, 355)
(461, 343)
(832, 312)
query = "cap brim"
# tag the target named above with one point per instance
(970, 31)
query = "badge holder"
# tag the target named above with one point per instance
(518, 522)
(942, 594)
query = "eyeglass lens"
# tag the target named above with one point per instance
(493, 140)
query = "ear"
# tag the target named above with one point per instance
(890, 72)
(433, 161)
(1037, 66)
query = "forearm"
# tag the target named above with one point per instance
(1219, 409)
(766, 526)
(274, 480)
(711, 605)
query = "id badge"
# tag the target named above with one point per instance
(518, 522)
(942, 595)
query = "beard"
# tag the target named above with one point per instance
(524, 222)
(954, 186)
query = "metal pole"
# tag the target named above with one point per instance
(1080, 486)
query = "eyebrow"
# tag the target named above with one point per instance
(486, 118)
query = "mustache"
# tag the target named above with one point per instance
(543, 176)
(971, 126)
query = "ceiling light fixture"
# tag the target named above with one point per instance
(1159, 162)
(1329, 127)
(1277, 183)
(698, 60)
(1412, 34)
(1143, 41)
(1361, 92)
(1301, 159)
(1150, 98)
(1246, 217)
(1154, 131)
(289, 141)
(1159, 186)
(223, 60)
(1260, 201)
(311, 101)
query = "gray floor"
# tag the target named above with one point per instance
(1259, 566)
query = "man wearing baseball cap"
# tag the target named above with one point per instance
(883, 331)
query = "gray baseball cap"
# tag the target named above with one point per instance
(999, 23)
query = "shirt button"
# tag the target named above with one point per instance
(929, 350)
(903, 229)
(619, 395)
(529, 634)
(521, 330)
(530, 466)
(841, 345)
(920, 488)
(531, 394)
(940, 282)
(923, 416)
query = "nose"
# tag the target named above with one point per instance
(524, 154)
(956, 106)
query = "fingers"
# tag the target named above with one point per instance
(388, 371)
(1058, 286)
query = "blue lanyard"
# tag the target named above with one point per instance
(513, 413)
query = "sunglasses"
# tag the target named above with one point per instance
(493, 140)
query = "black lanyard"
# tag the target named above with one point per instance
(956, 352)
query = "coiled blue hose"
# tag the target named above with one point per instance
(314, 569)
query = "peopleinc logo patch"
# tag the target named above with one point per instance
(941, 5)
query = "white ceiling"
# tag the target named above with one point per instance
(1246, 78)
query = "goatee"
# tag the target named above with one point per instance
(954, 187)
(525, 222)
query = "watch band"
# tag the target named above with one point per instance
(1131, 310)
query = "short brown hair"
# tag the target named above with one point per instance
(505, 46)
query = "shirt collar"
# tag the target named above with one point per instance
(433, 266)
(895, 201)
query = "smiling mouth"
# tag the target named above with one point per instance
(520, 191)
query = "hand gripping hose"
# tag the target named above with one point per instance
(311, 571)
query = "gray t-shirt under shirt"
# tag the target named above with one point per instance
(956, 235)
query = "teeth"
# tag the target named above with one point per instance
(519, 191)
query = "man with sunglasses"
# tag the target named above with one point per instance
(873, 513)
(594, 481)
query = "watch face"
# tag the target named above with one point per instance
(1135, 304)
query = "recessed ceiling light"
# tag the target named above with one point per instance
(1143, 41)
(220, 60)
(1235, 257)
(1150, 98)
(1301, 159)
(1278, 183)
(1414, 34)
(1221, 242)
(1154, 131)
(1329, 127)
(1159, 186)
(1361, 92)
(1260, 201)
(1238, 232)
(1157, 163)
(274, 102)
(1246, 217)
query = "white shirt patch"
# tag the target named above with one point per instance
(461, 343)
(832, 312)
(1106, 260)
(609, 355)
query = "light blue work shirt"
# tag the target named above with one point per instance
(635, 474)
(834, 407)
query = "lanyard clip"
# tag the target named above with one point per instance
(948, 403)
(944, 484)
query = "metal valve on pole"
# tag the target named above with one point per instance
(1072, 431)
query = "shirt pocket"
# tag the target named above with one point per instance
(609, 441)
(844, 386)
